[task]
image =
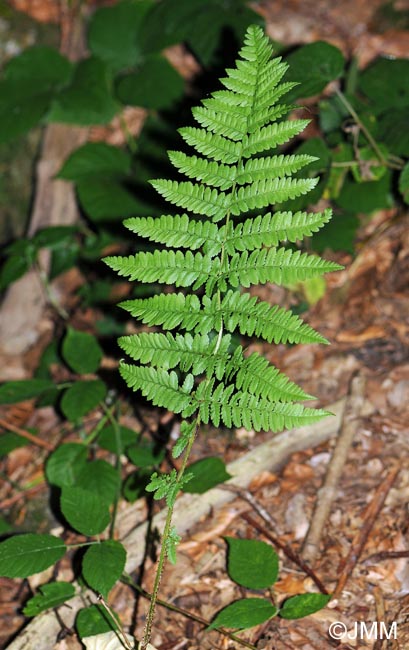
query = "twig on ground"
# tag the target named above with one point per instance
(369, 518)
(327, 493)
(385, 555)
(380, 615)
(26, 434)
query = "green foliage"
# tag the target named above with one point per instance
(84, 510)
(103, 565)
(303, 605)
(206, 474)
(81, 351)
(244, 613)
(49, 596)
(251, 563)
(23, 555)
(82, 397)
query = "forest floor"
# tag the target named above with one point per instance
(365, 316)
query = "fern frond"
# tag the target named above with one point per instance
(167, 310)
(222, 123)
(193, 196)
(271, 136)
(178, 231)
(271, 229)
(257, 376)
(194, 354)
(157, 385)
(264, 169)
(273, 324)
(242, 409)
(180, 269)
(277, 265)
(209, 144)
(267, 192)
(209, 172)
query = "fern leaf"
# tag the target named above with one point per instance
(178, 231)
(273, 324)
(214, 146)
(209, 172)
(190, 353)
(263, 193)
(280, 266)
(224, 123)
(168, 310)
(157, 385)
(264, 169)
(180, 269)
(271, 136)
(257, 376)
(194, 197)
(269, 230)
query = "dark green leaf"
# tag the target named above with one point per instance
(156, 84)
(50, 595)
(207, 473)
(23, 555)
(144, 454)
(244, 613)
(106, 199)
(312, 147)
(107, 439)
(13, 269)
(85, 511)
(55, 237)
(50, 357)
(87, 100)
(95, 159)
(81, 398)
(393, 131)
(5, 527)
(10, 441)
(114, 33)
(20, 390)
(30, 81)
(103, 565)
(313, 66)
(366, 197)
(93, 620)
(386, 83)
(251, 563)
(404, 183)
(134, 485)
(338, 235)
(100, 477)
(303, 605)
(81, 351)
(66, 463)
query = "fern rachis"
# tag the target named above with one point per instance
(195, 367)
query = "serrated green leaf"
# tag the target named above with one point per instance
(95, 159)
(50, 595)
(145, 454)
(10, 441)
(251, 563)
(81, 351)
(107, 199)
(88, 99)
(114, 33)
(107, 439)
(93, 620)
(244, 613)
(207, 473)
(23, 555)
(103, 565)
(85, 511)
(82, 397)
(386, 83)
(313, 66)
(65, 464)
(20, 390)
(303, 605)
(366, 197)
(155, 85)
(100, 477)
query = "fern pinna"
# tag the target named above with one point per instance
(194, 366)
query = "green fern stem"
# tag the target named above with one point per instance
(164, 543)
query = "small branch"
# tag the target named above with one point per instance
(369, 518)
(385, 555)
(327, 493)
(27, 435)
(287, 550)
(184, 612)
